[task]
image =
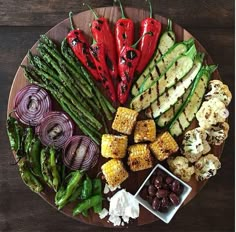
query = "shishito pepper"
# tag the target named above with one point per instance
(147, 44)
(97, 51)
(80, 47)
(29, 179)
(128, 61)
(102, 33)
(124, 31)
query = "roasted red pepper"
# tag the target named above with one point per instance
(80, 47)
(128, 61)
(147, 45)
(124, 31)
(97, 50)
(102, 34)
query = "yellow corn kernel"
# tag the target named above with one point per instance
(125, 120)
(164, 146)
(114, 146)
(145, 130)
(114, 172)
(139, 157)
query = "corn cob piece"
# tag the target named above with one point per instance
(164, 146)
(114, 146)
(139, 157)
(145, 130)
(114, 172)
(125, 120)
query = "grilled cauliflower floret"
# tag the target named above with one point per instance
(218, 133)
(180, 167)
(211, 112)
(195, 144)
(206, 167)
(220, 91)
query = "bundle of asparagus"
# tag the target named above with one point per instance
(61, 73)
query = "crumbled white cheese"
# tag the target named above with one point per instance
(116, 220)
(123, 206)
(103, 213)
(106, 189)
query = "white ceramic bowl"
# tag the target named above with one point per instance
(164, 216)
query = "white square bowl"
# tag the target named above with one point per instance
(164, 216)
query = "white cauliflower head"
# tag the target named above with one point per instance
(220, 91)
(206, 167)
(211, 112)
(218, 133)
(195, 144)
(179, 165)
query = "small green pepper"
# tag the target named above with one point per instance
(55, 174)
(29, 179)
(87, 204)
(47, 176)
(87, 188)
(97, 190)
(35, 157)
(28, 139)
(74, 181)
(15, 135)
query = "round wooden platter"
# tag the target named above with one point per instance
(82, 21)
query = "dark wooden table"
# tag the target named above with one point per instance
(21, 23)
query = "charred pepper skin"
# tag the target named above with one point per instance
(97, 51)
(28, 178)
(128, 61)
(80, 47)
(124, 31)
(102, 33)
(147, 44)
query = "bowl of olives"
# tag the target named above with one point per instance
(162, 193)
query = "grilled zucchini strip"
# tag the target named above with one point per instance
(163, 63)
(175, 72)
(171, 95)
(188, 111)
(166, 41)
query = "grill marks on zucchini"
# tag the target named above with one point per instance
(172, 95)
(190, 107)
(166, 41)
(168, 79)
(168, 116)
(163, 63)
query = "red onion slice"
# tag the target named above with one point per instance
(55, 129)
(80, 152)
(31, 104)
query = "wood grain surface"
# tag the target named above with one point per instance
(20, 209)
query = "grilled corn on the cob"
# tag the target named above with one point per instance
(145, 130)
(139, 157)
(114, 146)
(164, 146)
(125, 120)
(114, 172)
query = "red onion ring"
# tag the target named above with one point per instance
(80, 152)
(55, 129)
(31, 104)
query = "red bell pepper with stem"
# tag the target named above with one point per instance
(147, 45)
(124, 31)
(80, 47)
(128, 61)
(97, 50)
(102, 34)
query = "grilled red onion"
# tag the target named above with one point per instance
(80, 152)
(31, 104)
(55, 129)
